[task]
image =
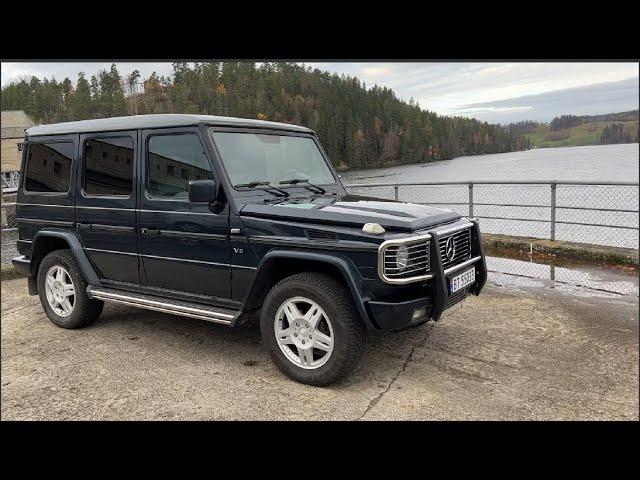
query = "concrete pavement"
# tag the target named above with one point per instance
(512, 353)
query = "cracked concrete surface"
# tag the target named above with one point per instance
(374, 401)
(525, 353)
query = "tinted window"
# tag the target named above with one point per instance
(108, 169)
(49, 167)
(173, 161)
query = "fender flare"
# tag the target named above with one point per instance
(347, 269)
(76, 249)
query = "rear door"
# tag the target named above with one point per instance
(185, 246)
(105, 204)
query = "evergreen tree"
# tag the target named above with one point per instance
(80, 101)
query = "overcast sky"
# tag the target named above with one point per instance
(495, 92)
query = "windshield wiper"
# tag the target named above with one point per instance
(265, 186)
(308, 185)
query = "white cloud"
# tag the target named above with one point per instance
(598, 98)
(59, 70)
(470, 111)
(374, 71)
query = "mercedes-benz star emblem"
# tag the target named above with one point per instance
(450, 249)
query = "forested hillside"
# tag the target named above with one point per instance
(572, 130)
(360, 126)
(568, 121)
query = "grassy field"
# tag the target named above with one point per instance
(585, 134)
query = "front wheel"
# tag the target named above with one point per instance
(311, 328)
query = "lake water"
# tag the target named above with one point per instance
(598, 162)
(593, 163)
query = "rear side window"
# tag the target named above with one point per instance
(174, 160)
(49, 167)
(108, 166)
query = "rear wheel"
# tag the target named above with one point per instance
(311, 328)
(63, 291)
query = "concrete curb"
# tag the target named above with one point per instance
(560, 250)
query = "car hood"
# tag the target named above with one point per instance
(352, 211)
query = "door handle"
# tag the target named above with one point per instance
(151, 231)
(84, 225)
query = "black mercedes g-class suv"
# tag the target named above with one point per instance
(220, 218)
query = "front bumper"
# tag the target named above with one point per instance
(399, 315)
(388, 314)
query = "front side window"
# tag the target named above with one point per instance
(104, 174)
(252, 157)
(174, 160)
(49, 167)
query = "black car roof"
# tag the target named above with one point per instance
(155, 121)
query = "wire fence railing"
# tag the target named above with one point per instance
(8, 231)
(599, 213)
(9, 181)
(603, 213)
(8, 216)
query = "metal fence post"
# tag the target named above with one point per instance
(395, 191)
(553, 210)
(3, 217)
(470, 199)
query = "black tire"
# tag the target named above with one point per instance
(85, 310)
(348, 328)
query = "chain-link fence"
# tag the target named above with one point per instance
(603, 214)
(595, 213)
(9, 231)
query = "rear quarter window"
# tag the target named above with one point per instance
(49, 167)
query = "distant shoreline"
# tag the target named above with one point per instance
(365, 169)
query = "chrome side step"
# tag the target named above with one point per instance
(165, 305)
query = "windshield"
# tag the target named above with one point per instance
(251, 157)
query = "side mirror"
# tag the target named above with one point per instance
(203, 191)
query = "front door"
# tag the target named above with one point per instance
(105, 206)
(184, 246)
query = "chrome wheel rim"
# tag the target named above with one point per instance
(60, 291)
(304, 333)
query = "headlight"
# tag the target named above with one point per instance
(402, 257)
(402, 260)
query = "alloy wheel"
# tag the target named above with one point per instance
(60, 291)
(304, 332)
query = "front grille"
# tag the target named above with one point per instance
(462, 247)
(417, 260)
(457, 297)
